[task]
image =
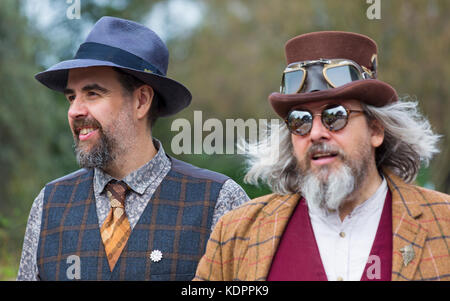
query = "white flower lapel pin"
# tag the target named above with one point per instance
(156, 255)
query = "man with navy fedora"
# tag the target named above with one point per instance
(132, 212)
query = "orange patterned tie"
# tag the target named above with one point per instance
(116, 228)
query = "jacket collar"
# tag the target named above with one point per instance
(408, 234)
(278, 203)
(405, 194)
(275, 213)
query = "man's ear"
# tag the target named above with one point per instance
(144, 96)
(377, 133)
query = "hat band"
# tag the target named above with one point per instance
(97, 51)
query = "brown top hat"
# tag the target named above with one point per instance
(335, 45)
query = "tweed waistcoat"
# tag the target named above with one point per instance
(176, 221)
(298, 256)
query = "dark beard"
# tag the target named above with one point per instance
(101, 154)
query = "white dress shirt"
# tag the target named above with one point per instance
(345, 246)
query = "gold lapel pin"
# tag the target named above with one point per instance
(408, 254)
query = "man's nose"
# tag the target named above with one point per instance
(318, 131)
(314, 79)
(77, 108)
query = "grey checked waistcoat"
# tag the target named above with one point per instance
(176, 221)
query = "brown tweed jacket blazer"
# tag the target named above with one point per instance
(245, 240)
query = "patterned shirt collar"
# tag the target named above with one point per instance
(140, 179)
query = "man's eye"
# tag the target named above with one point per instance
(71, 98)
(91, 93)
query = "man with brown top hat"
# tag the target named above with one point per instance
(132, 212)
(344, 206)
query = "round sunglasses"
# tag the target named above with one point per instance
(333, 117)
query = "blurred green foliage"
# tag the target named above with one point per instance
(231, 61)
(35, 148)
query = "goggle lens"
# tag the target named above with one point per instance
(292, 81)
(340, 75)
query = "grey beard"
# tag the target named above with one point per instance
(99, 157)
(329, 189)
(331, 192)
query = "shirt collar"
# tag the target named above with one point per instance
(139, 179)
(376, 200)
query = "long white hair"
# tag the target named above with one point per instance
(408, 142)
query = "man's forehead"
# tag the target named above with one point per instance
(99, 75)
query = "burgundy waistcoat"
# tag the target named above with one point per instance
(298, 257)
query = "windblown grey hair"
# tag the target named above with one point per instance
(408, 142)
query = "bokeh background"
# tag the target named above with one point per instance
(230, 54)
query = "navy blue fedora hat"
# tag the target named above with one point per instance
(133, 48)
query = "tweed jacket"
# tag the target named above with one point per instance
(245, 240)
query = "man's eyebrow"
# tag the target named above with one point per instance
(68, 91)
(95, 87)
(87, 88)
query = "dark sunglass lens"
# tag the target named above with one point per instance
(335, 118)
(292, 81)
(300, 122)
(341, 75)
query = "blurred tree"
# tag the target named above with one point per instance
(31, 142)
(235, 58)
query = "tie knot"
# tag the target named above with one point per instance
(116, 192)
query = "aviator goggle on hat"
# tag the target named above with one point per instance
(133, 48)
(330, 65)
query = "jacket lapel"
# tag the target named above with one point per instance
(408, 235)
(265, 237)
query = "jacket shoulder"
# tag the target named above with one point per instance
(197, 172)
(435, 207)
(427, 197)
(256, 208)
(72, 176)
(433, 195)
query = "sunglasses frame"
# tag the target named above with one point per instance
(322, 109)
(364, 72)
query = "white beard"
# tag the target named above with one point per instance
(331, 192)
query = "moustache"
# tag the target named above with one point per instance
(324, 148)
(79, 124)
